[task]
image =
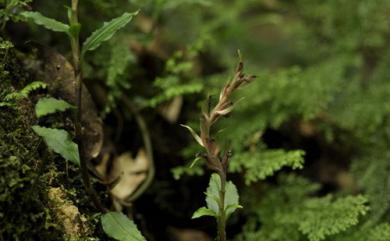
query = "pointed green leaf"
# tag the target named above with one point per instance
(195, 161)
(46, 22)
(118, 226)
(231, 198)
(60, 142)
(106, 32)
(203, 211)
(49, 105)
(212, 193)
(194, 134)
(231, 208)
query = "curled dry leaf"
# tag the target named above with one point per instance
(101, 168)
(132, 173)
(171, 110)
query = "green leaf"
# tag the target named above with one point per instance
(121, 57)
(212, 196)
(118, 226)
(203, 211)
(195, 161)
(49, 105)
(60, 142)
(46, 22)
(231, 208)
(231, 198)
(106, 32)
(194, 134)
(212, 193)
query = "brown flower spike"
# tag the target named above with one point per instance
(224, 106)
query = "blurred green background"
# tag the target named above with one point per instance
(311, 137)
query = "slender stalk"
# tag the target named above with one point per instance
(221, 221)
(77, 64)
(215, 163)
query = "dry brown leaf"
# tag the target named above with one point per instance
(188, 235)
(171, 110)
(102, 166)
(132, 173)
(58, 73)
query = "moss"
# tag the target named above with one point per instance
(29, 173)
(74, 224)
(21, 186)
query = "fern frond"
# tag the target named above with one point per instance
(172, 91)
(319, 218)
(264, 163)
(289, 212)
(23, 93)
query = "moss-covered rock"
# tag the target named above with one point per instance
(29, 173)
